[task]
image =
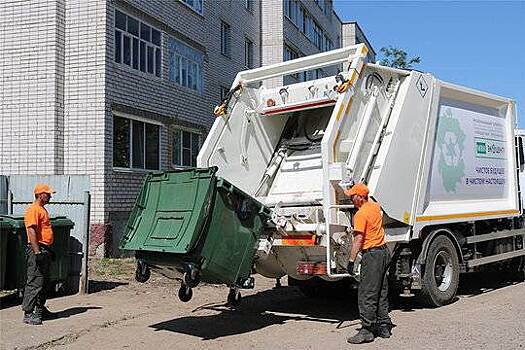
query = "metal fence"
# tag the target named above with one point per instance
(71, 199)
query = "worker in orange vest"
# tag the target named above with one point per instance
(38, 256)
(369, 239)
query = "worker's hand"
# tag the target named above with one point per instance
(350, 267)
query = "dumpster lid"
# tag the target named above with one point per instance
(13, 221)
(170, 211)
(60, 221)
(17, 221)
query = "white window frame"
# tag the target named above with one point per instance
(198, 72)
(132, 118)
(249, 58)
(146, 44)
(181, 130)
(226, 38)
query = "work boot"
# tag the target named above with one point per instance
(32, 318)
(48, 315)
(363, 336)
(383, 331)
(27, 315)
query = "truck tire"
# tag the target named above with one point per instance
(441, 274)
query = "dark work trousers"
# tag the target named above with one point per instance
(373, 288)
(37, 280)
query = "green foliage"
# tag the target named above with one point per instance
(397, 58)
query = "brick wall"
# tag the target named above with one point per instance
(353, 35)
(32, 66)
(84, 96)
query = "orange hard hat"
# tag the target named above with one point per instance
(43, 188)
(359, 188)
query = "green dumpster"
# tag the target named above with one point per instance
(16, 245)
(3, 251)
(192, 224)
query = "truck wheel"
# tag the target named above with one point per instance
(441, 275)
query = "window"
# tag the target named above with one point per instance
(328, 45)
(248, 53)
(186, 147)
(316, 35)
(326, 7)
(195, 5)
(185, 65)
(291, 10)
(248, 4)
(225, 39)
(136, 144)
(304, 21)
(290, 54)
(137, 44)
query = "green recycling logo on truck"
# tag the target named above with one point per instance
(451, 143)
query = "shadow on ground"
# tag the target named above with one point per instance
(10, 300)
(15, 297)
(75, 311)
(287, 304)
(266, 308)
(99, 286)
(477, 283)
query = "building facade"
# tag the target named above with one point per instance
(118, 88)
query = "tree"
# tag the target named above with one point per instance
(397, 58)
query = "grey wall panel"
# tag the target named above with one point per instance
(67, 201)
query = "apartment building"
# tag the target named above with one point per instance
(118, 88)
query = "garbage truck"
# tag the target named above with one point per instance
(442, 160)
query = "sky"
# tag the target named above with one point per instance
(478, 44)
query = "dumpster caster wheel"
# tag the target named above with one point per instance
(185, 293)
(143, 273)
(234, 297)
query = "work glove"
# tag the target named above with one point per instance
(350, 267)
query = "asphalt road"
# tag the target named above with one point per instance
(123, 314)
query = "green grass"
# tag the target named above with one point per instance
(112, 268)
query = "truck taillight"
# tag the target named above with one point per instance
(311, 268)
